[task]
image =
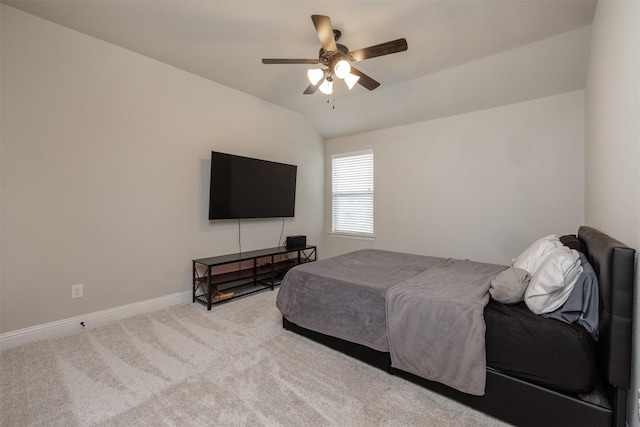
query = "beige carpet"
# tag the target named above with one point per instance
(185, 366)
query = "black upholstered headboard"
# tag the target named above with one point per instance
(614, 265)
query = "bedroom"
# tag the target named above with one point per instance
(104, 158)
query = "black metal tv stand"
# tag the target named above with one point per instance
(225, 277)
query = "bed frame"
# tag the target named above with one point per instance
(526, 404)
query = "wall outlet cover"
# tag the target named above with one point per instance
(77, 291)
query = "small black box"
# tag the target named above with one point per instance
(296, 242)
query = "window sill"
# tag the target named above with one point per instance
(370, 237)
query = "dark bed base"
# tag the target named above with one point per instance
(375, 358)
(521, 403)
(509, 399)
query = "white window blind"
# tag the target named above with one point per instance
(352, 193)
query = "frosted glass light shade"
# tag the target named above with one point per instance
(326, 87)
(351, 80)
(314, 75)
(342, 69)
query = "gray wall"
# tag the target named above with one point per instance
(613, 141)
(481, 185)
(105, 162)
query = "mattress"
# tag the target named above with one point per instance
(543, 351)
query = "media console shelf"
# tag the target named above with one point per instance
(224, 277)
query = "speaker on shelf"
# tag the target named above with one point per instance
(296, 241)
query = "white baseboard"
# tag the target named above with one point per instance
(91, 320)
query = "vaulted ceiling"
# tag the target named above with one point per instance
(462, 55)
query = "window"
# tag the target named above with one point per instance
(352, 193)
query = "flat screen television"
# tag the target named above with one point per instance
(242, 187)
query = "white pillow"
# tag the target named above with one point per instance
(534, 254)
(553, 280)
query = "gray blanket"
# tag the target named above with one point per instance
(436, 325)
(344, 296)
(426, 311)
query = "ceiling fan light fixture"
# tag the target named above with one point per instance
(335, 59)
(326, 87)
(315, 75)
(342, 69)
(351, 80)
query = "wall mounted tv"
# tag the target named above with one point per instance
(242, 187)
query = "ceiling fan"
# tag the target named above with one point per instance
(336, 59)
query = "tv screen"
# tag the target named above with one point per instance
(242, 187)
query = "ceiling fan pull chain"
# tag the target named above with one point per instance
(331, 100)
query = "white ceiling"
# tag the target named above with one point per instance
(225, 41)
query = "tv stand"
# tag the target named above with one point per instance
(225, 277)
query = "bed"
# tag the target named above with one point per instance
(433, 321)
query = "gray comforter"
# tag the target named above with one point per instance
(426, 311)
(436, 324)
(345, 296)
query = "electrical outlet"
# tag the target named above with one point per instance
(77, 291)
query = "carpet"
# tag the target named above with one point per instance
(186, 366)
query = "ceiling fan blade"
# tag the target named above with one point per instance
(387, 48)
(365, 80)
(289, 61)
(311, 89)
(325, 32)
